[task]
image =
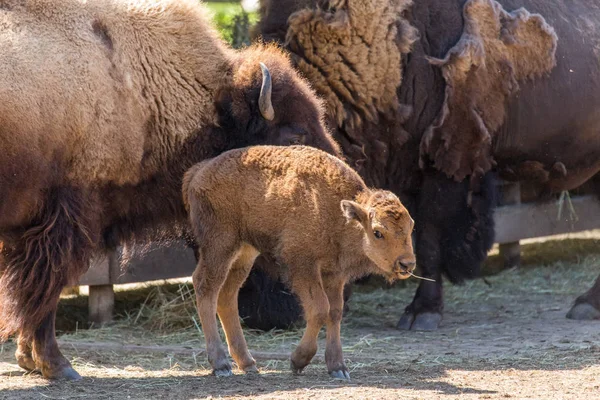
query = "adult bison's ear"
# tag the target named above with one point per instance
(354, 212)
(266, 90)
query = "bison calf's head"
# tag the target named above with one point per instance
(267, 102)
(387, 232)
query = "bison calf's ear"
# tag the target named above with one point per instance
(354, 211)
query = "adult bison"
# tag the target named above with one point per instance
(104, 105)
(431, 98)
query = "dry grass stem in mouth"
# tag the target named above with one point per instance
(420, 277)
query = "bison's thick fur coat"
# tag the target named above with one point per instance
(506, 87)
(309, 211)
(104, 104)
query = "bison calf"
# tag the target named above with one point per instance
(314, 215)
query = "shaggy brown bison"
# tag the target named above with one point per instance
(104, 105)
(312, 213)
(431, 98)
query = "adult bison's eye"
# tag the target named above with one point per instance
(296, 140)
(378, 234)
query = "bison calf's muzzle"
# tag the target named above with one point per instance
(313, 214)
(404, 268)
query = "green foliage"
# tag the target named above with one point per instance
(233, 22)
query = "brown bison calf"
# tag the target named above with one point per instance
(314, 215)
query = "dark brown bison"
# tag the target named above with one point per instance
(313, 214)
(433, 98)
(104, 105)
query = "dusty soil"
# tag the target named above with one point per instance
(502, 337)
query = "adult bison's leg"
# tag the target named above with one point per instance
(265, 302)
(24, 352)
(587, 306)
(48, 358)
(227, 308)
(454, 230)
(38, 262)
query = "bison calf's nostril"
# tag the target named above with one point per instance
(407, 266)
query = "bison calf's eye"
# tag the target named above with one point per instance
(378, 234)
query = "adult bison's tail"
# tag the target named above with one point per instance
(48, 255)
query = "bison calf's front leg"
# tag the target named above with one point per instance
(334, 287)
(316, 309)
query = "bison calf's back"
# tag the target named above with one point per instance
(309, 211)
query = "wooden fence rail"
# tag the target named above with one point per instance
(514, 222)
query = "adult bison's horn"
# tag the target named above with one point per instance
(264, 101)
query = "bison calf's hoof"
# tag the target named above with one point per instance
(295, 368)
(429, 321)
(341, 374)
(583, 312)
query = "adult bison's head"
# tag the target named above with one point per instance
(265, 101)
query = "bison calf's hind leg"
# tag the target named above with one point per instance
(209, 277)
(314, 301)
(334, 287)
(227, 309)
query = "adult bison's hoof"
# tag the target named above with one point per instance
(583, 312)
(222, 372)
(340, 374)
(25, 361)
(65, 373)
(428, 321)
(251, 370)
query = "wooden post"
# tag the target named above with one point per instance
(101, 302)
(510, 194)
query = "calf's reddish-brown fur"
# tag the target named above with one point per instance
(313, 214)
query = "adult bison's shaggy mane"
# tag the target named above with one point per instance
(351, 51)
(497, 50)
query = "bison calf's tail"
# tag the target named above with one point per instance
(52, 252)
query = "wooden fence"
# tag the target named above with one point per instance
(514, 222)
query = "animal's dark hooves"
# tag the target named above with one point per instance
(222, 372)
(251, 370)
(66, 373)
(406, 321)
(429, 321)
(340, 374)
(583, 312)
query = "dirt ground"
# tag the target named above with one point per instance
(502, 337)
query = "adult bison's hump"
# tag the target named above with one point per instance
(552, 125)
(61, 97)
(110, 87)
